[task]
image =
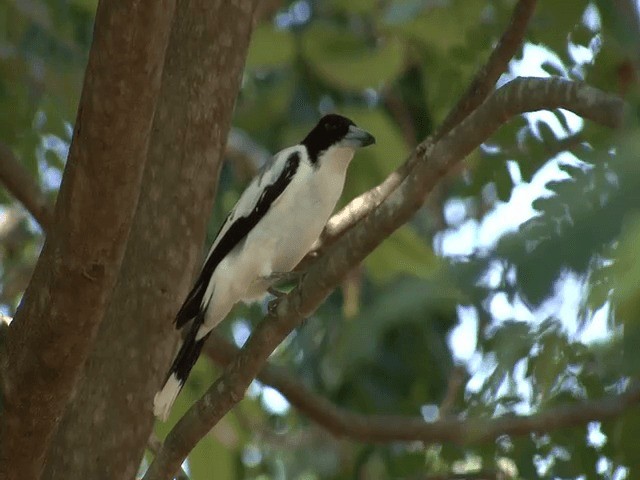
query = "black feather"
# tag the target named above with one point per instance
(233, 237)
(189, 352)
(330, 130)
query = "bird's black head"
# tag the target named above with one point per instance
(335, 130)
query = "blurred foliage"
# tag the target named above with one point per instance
(539, 309)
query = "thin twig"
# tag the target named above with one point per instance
(23, 187)
(454, 386)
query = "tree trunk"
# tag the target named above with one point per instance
(106, 427)
(53, 331)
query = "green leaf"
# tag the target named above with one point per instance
(511, 342)
(622, 441)
(404, 252)
(554, 21)
(270, 48)
(442, 26)
(428, 304)
(372, 164)
(626, 294)
(262, 108)
(88, 5)
(211, 456)
(346, 61)
(354, 6)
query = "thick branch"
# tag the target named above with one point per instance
(154, 445)
(481, 86)
(519, 96)
(21, 185)
(389, 428)
(52, 333)
(200, 82)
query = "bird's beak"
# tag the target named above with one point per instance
(356, 138)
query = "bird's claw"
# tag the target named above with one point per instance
(276, 278)
(280, 277)
(276, 293)
(272, 306)
(283, 277)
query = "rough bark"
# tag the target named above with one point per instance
(54, 328)
(105, 428)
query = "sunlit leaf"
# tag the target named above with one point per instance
(554, 21)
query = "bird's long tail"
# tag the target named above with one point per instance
(180, 369)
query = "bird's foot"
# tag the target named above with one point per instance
(272, 306)
(276, 293)
(279, 278)
(283, 277)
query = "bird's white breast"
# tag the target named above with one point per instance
(297, 217)
(283, 236)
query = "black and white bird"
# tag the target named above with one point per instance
(272, 227)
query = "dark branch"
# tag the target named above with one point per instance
(23, 187)
(519, 96)
(388, 428)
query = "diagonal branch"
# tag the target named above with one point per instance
(23, 187)
(485, 79)
(519, 96)
(388, 428)
(154, 444)
(481, 86)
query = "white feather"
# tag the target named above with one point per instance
(284, 235)
(264, 235)
(164, 399)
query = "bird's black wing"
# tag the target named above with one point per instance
(242, 219)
